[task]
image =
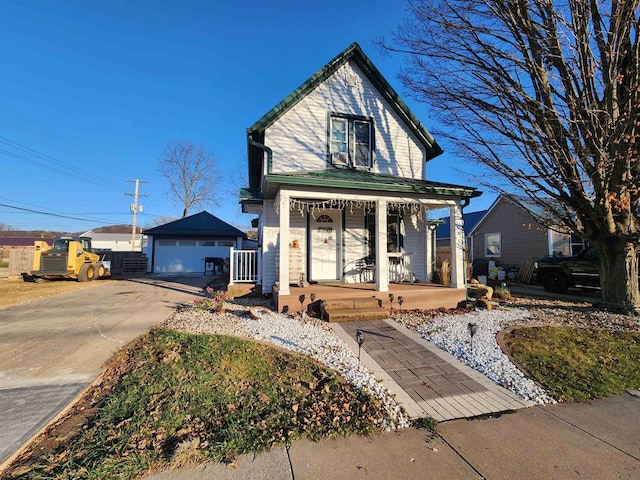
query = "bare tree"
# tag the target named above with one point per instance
(191, 173)
(545, 93)
(160, 220)
(5, 229)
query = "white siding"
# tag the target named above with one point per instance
(414, 242)
(299, 138)
(298, 231)
(269, 245)
(354, 244)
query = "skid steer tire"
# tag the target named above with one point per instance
(100, 270)
(86, 273)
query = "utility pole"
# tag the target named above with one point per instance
(135, 208)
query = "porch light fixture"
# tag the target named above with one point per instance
(473, 328)
(360, 340)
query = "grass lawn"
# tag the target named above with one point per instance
(173, 398)
(578, 364)
(4, 264)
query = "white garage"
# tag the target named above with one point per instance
(183, 246)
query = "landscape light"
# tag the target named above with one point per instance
(473, 328)
(360, 340)
(301, 298)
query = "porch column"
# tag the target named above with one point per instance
(283, 278)
(457, 247)
(259, 266)
(430, 257)
(382, 259)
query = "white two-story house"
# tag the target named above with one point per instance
(337, 177)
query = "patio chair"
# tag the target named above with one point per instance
(366, 268)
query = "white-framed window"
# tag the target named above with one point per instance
(226, 243)
(351, 141)
(577, 244)
(207, 243)
(492, 247)
(187, 243)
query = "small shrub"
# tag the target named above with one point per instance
(444, 272)
(214, 301)
(502, 292)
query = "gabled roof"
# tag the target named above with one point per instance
(354, 53)
(199, 225)
(364, 180)
(23, 241)
(470, 219)
(535, 210)
(105, 237)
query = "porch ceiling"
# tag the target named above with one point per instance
(351, 179)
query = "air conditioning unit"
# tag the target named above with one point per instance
(340, 159)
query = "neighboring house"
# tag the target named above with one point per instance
(9, 243)
(509, 234)
(183, 245)
(115, 242)
(337, 175)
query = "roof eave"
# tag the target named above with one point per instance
(276, 180)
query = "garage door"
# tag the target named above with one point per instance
(184, 256)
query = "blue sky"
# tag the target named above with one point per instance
(91, 92)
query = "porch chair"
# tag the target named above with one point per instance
(366, 268)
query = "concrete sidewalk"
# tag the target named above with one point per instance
(598, 441)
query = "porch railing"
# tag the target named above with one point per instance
(244, 266)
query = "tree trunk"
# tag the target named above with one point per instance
(618, 259)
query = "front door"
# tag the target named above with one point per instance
(325, 245)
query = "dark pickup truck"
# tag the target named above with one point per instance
(557, 274)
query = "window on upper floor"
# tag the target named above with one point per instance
(350, 141)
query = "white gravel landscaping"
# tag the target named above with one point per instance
(315, 339)
(451, 333)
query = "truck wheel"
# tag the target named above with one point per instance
(100, 270)
(86, 273)
(555, 282)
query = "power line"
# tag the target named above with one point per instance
(50, 213)
(29, 155)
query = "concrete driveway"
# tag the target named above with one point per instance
(51, 349)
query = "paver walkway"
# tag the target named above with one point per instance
(425, 379)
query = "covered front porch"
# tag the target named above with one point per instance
(418, 295)
(355, 234)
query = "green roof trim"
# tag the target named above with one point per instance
(250, 194)
(363, 180)
(355, 53)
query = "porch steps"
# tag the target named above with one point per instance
(355, 310)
